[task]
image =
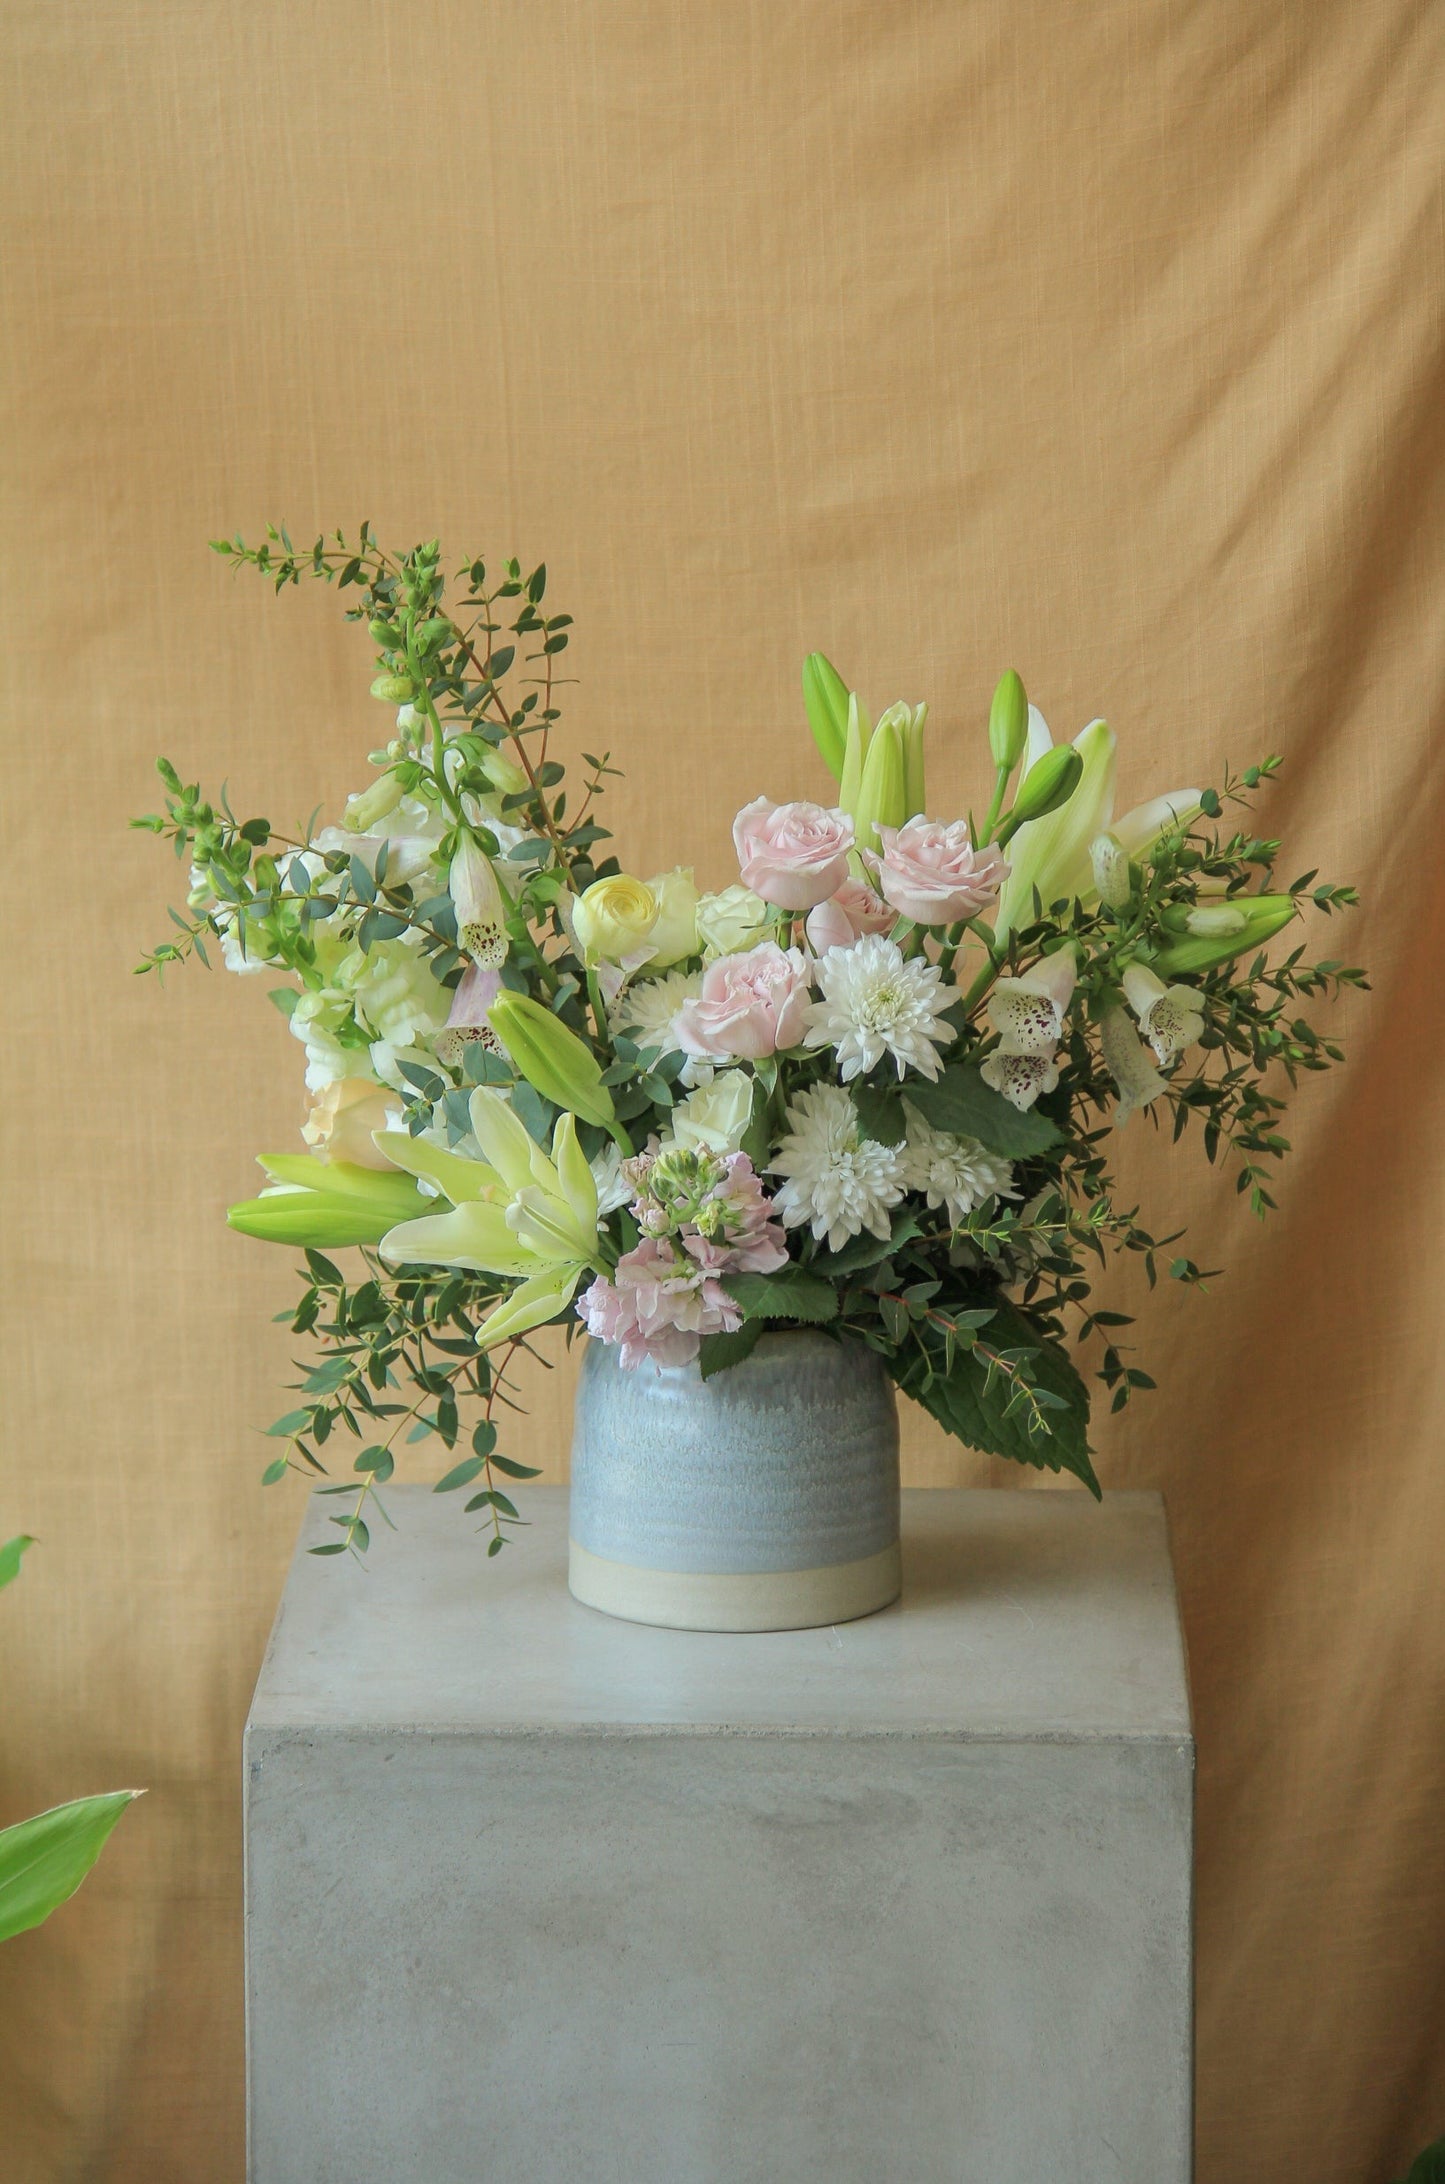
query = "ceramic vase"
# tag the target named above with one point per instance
(765, 1498)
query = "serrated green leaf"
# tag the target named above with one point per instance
(880, 1112)
(961, 1102)
(794, 1295)
(718, 1352)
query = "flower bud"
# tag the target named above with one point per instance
(394, 689)
(372, 804)
(1046, 786)
(1263, 915)
(881, 789)
(553, 1059)
(432, 633)
(386, 634)
(505, 775)
(1008, 722)
(826, 698)
(1215, 921)
(855, 750)
(613, 918)
(1110, 861)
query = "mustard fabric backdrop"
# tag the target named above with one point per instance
(1102, 341)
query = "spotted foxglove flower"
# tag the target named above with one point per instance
(1020, 1077)
(649, 1008)
(878, 1001)
(1028, 1013)
(1128, 1064)
(955, 1172)
(837, 1181)
(1169, 1016)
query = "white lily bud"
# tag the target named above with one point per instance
(1215, 923)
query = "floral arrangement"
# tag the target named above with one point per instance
(871, 1085)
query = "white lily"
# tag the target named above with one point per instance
(1052, 854)
(513, 1212)
(1128, 1064)
(1169, 1016)
(1028, 1013)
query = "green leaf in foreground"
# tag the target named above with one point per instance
(44, 1860)
(791, 1296)
(1429, 2167)
(960, 1101)
(10, 1557)
(985, 1411)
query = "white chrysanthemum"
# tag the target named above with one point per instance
(878, 1001)
(613, 1188)
(955, 1172)
(648, 1010)
(837, 1182)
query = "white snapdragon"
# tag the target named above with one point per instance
(878, 1001)
(837, 1181)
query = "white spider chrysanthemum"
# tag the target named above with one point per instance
(878, 1001)
(955, 1172)
(648, 1009)
(838, 1182)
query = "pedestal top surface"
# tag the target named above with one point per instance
(1024, 1615)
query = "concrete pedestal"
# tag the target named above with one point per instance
(538, 1896)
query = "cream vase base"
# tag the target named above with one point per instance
(838, 1592)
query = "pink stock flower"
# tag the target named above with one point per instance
(660, 1303)
(845, 917)
(749, 1006)
(753, 1240)
(933, 874)
(794, 855)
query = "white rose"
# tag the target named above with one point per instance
(714, 1118)
(733, 921)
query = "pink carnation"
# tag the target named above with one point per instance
(847, 916)
(933, 874)
(793, 855)
(749, 1006)
(660, 1303)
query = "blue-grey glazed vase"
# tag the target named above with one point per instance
(765, 1498)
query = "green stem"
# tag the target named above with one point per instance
(1000, 790)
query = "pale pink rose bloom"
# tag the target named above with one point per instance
(793, 855)
(933, 874)
(750, 1006)
(845, 917)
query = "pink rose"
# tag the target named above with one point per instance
(793, 855)
(749, 1006)
(933, 874)
(847, 916)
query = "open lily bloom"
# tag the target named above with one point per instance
(1052, 854)
(514, 1212)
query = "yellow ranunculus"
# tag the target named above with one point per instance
(674, 934)
(614, 918)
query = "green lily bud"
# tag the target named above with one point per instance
(914, 798)
(1263, 916)
(394, 689)
(1008, 722)
(326, 1204)
(855, 750)
(826, 698)
(386, 634)
(1046, 787)
(551, 1058)
(881, 790)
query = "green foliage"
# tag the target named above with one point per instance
(43, 1861)
(1429, 2167)
(960, 1101)
(11, 1555)
(787, 1296)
